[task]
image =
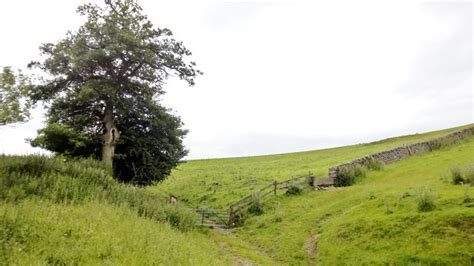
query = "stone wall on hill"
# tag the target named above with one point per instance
(400, 153)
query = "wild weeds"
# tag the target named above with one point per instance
(80, 181)
(462, 175)
(457, 177)
(256, 203)
(294, 188)
(375, 165)
(425, 199)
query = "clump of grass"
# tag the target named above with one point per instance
(425, 199)
(374, 164)
(347, 176)
(462, 175)
(469, 174)
(294, 188)
(457, 176)
(256, 203)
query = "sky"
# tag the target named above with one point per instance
(286, 76)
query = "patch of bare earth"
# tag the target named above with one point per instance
(311, 245)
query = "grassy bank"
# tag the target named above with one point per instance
(54, 211)
(378, 220)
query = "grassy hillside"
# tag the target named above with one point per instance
(219, 182)
(377, 220)
(56, 212)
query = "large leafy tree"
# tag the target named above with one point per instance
(14, 103)
(105, 79)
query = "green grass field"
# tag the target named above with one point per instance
(376, 221)
(219, 182)
(54, 211)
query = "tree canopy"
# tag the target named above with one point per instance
(14, 103)
(106, 78)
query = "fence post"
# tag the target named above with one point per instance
(202, 220)
(275, 184)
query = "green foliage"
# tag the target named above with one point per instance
(149, 148)
(14, 103)
(61, 180)
(425, 199)
(256, 203)
(462, 174)
(457, 176)
(347, 176)
(294, 188)
(64, 140)
(106, 78)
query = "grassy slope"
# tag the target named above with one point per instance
(219, 182)
(38, 232)
(376, 220)
(59, 212)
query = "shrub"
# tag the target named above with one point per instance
(294, 188)
(425, 199)
(457, 176)
(256, 203)
(347, 176)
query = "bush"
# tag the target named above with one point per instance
(256, 204)
(462, 175)
(294, 188)
(346, 176)
(425, 199)
(457, 176)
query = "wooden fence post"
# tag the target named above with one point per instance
(275, 184)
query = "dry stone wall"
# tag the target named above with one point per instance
(400, 153)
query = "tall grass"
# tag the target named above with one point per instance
(36, 232)
(425, 199)
(462, 174)
(78, 181)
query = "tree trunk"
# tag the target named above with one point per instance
(110, 136)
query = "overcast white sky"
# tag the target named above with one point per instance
(287, 76)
